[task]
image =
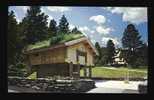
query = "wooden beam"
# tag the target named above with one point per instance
(70, 69)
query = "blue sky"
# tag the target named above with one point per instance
(98, 23)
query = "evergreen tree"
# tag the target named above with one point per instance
(98, 57)
(131, 41)
(103, 56)
(35, 25)
(75, 31)
(12, 38)
(14, 48)
(63, 25)
(142, 58)
(52, 28)
(110, 52)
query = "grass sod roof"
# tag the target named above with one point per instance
(46, 43)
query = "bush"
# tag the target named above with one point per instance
(17, 70)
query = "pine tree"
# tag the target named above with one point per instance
(52, 28)
(12, 38)
(98, 57)
(110, 52)
(75, 31)
(63, 25)
(131, 41)
(142, 57)
(14, 48)
(35, 25)
(103, 56)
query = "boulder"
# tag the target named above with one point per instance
(35, 87)
(27, 85)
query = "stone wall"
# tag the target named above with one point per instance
(52, 85)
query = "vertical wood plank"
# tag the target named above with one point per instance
(71, 69)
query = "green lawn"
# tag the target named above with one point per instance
(110, 73)
(117, 73)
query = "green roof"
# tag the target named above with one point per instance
(46, 43)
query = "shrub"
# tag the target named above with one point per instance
(17, 70)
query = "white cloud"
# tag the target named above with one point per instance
(105, 40)
(92, 31)
(135, 15)
(58, 9)
(102, 30)
(99, 19)
(86, 31)
(71, 26)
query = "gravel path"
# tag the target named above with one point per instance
(112, 86)
(132, 85)
(111, 90)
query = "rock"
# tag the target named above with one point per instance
(27, 85)
(50, 88)
(45, 85)
(35, 87)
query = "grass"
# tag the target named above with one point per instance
(110, 73)
(70, 37)
(134, 69)
(46, 43)
(32, 76)
(116, 73)
(41, 44)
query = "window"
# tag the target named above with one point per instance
(81, 57)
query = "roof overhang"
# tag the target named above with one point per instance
(66, 44)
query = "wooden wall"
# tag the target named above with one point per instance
(48, 57)
(61, 55)
(89, 57)
(45, 70)
(71, 53)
